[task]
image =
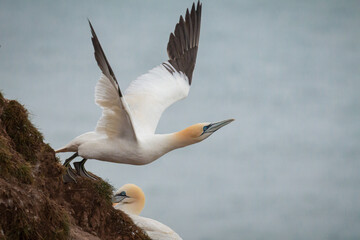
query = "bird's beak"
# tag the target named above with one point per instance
(116, 199)
(216, 126)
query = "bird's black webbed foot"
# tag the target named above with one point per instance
(80, 170)
(70, 175)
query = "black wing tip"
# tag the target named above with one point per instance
(91, 27)
(183, 42)
(102, 61)
(196, 8)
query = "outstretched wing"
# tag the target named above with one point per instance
(116, 119)
(150, 94)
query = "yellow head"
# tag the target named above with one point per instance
(198, 132)
(130, 199)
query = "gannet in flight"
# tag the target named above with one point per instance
(125, 132)
(131, 199)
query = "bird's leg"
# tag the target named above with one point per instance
(70, 174)
(80, 170)
(67, 161)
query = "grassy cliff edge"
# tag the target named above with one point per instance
(36, 204)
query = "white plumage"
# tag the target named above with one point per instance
(125, 133)
(150, 94)
(154, 229)
(131, 199)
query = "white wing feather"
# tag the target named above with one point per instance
(154, 229)
(150, 94)
(139, 110)
(114, 121)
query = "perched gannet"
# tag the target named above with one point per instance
(125, 132)
(131, 199)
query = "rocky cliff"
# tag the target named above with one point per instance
(34, 201)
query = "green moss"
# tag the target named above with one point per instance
(63, 229)
(8, 167)
(53, 224)
(25, 136)
(23, 173)
(58, 222)
(104, 189)
(5, 157)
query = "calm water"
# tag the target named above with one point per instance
(288, 71)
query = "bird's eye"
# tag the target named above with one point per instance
(205, 128)
(123, 193)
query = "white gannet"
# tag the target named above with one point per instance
(131, 199)
(125, 133)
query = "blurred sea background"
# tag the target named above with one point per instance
(287, 71)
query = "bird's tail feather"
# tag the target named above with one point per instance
(64, 149)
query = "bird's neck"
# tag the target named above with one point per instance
(172, 141)
(133, 207)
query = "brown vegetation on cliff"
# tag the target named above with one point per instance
(36, 204)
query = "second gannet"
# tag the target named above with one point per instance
(131, 199)
(125, 132)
